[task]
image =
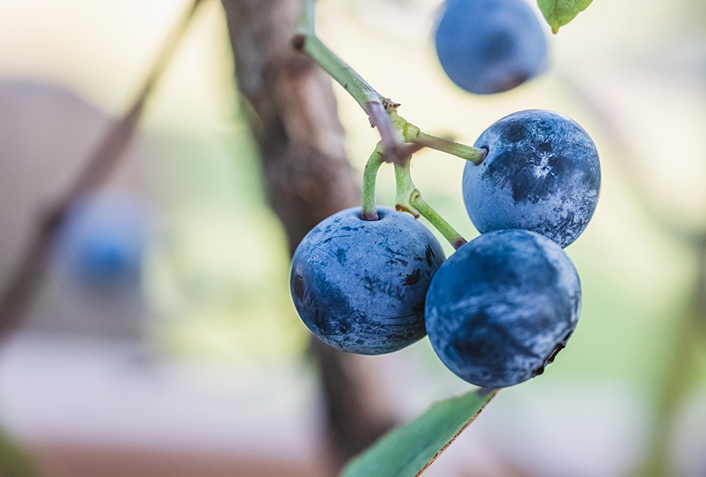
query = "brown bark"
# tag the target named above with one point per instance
(293, 115)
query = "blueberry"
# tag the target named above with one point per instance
(541, 174)
(490, 46)
(103, 237)
(360, 285)
(501, 307)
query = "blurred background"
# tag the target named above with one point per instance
(164, 341)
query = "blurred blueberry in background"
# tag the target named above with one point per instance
(103, 238)
(489, 46)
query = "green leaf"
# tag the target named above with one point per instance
(409, 450)
(560, 12)
(13, 461)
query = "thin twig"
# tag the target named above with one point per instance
(27, 278)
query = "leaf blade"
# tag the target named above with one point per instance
(409, 450)
(560, 12)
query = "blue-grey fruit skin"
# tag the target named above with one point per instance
(103, 238)
(490, 46)
(501, 307)
(541, 173)
(359, 285)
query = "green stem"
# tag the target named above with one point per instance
(382, 112)
(375, 105)
(393, 129)
(472, 154)
(436, 220)
(369, 177)
(409, 199)
(339, 70)
(413, 134)
(404, 189)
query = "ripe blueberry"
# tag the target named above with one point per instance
(501, 307)
(490, 46)
(360, 285)
(541, 174)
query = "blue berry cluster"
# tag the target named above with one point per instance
(501, 307)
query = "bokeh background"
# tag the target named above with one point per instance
(198, 365)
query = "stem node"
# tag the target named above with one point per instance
(298, 42)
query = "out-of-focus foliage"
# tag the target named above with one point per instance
(13, 460)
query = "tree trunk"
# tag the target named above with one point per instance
(293, 115)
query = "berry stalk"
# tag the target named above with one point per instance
(369, 179)
(382, 111)
(412, 134)
(436, 220)
(471, 154)
(409, 199)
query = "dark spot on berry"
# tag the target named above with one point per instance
(341, 256)
(592, 180)
(344, 327)
(562, 166)
(514, 131)
(298, 286)
(545, 147)
(544, 128)
(519, 171)
(504, 167)
(370, 284)
(550, 358)
(552, 355)
(412, 278)
(430, 255)
(319, 322)
(396, 256)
